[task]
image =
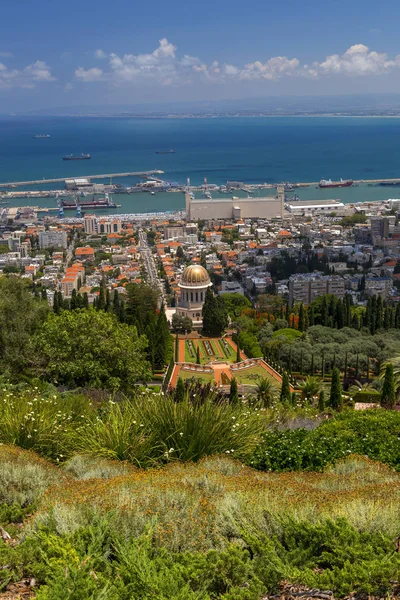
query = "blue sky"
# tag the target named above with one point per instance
(99, 52)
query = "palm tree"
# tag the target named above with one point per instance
(310, 387)
(265, 393)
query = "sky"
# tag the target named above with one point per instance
(89, 53)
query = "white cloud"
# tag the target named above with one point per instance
(358, 60)
(100, 54)
(163, 66)
(93, 74)
(37, 72)
(6, 54)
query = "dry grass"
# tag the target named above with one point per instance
(204, 505)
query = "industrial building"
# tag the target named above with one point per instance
(300, 207)
(235, 208)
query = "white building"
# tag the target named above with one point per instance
(53, 239)
(193, 286)
(235, 208)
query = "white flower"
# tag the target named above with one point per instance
(171, 450)
(181, 433)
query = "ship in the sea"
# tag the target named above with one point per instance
(80, 157)
(94, 202)
(328, 183)
(165, 151)
(41, 136)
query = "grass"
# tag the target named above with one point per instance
(249, 375)
(217, 349)
(204, 377)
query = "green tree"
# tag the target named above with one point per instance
(215, 316)
(73, 300)
(335, 398)
(388, 397)
(233, 392)
(180, 390)
(101, 302)
(198, 361)
(285, 395)
(90, 348)
(21, 316)
(162, 340)
(301, 318)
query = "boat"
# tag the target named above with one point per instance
(105, 202)
(328, 183)
(165, 151)
(41, 136)
(80, 157)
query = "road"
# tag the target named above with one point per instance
(149, 264)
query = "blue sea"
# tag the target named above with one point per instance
(251, 150)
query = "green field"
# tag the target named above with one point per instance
(219, 353)
(205, 377)
(249, 376)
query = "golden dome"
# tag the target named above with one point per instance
(195, 275)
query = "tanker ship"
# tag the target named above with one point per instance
(328, 183)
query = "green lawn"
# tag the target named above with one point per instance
(249, 376)
(205, 377)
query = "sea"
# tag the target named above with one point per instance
(246, 149)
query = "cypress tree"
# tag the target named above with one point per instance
(386, 318)
(311, 316)
(368, 367)
(73, 300)
(176, 348)
(101, 303)
(161, 339)
(60, 300)
(379, 314)
(180, 390)
(345, 366)
(354, 322)
(321, 401)
(198, 361)
(44, 293)
(335, 399)
(115, 303)
(339, 315)
(334, 361)
(312, 364)
(233, 392)
(324, 312)
(388, 397)
(85, 300)
(373, 316)
(397, 316)
(56, 307)
(108, 301)
(323, 364)
(294, 399)
(301, 318)
(285, 395)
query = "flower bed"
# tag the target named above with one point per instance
(191, 348)
(208, 348)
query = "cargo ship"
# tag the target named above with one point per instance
(80, 157)
(165, 151)
(105, 202)
(328, 183)
(41, 136)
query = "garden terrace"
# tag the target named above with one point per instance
(210, 349)
(247, 373)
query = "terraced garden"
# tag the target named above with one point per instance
(210, 349)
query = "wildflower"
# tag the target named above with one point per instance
(171, 450)
(181, 433)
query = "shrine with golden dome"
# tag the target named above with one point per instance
(193, 286)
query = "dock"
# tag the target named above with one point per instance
(101, 176)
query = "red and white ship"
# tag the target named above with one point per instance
(328, 183)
